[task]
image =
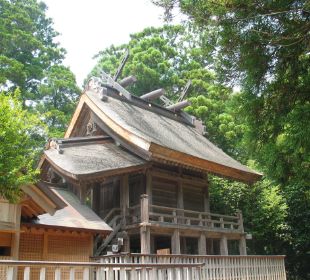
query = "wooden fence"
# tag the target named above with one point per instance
(215, 267)
(149, 267)
(45, 270)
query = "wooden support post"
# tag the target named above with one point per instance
(95, 198)
(126, 246)
(124, 195)
(16, 238)
(175, 242)
(83, 193)
(223, 246)
(180, 202)
(202, 244)
(242, 246)
(145, 229)
(145, 239)
(148, 186)
(206, 199)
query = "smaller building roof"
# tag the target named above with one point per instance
(75, 215)
(82, 158)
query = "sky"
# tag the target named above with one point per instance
(87, 27)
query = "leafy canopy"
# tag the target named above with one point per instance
(18, 132)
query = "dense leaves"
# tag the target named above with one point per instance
(167, 58)
(31, 61)
(19, 131)
(30, 65)
(58, 94)
(263, 47)
(26, 45)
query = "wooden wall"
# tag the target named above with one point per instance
(136, 188)
(164, 192)
(109, 196)
(193, 197)
(54, 247)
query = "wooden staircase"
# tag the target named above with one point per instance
(116, 222)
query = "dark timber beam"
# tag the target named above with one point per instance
(153, 94)
(128, 81)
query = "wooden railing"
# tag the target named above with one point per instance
(215, 267)
(44, 270)
(169, 215)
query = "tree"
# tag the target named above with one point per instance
(27, 46)
(31, 61)
(58, 94)
(263, 46)
(19, 131)
(168, 57)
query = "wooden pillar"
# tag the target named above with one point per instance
(145, 229)
(126, 246)
(180, 198)
(145, 239)
(242, 246)
(16, 235)
(95, 198)
(175, 242)
(223, 246)
(83, 193)
(202, 244)
(206, 200)
(148, 185)
(16, 238)
(124, 195)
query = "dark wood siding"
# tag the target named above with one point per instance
(164, 192)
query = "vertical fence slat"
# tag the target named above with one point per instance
(27, 273)
(57, 274)
(72, 273)
(9, 273)
(86, 273)
(42, 273)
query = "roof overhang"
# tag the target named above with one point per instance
(157, 151)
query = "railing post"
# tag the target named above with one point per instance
(144, 208)
(144, 226)
(242, 246)
(175, 242)
(223, 246)
(202, 244)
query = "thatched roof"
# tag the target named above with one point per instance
(74, 216)
(162, 135)
(97, 156)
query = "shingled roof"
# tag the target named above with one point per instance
(74, 216)
(162, 136)
(97, 156)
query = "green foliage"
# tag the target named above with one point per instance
(159, 57)
(26, 45)
(168, 57)
(19, 131)
(58, 96)
(31, 66)
(264, 209)
(263, 46)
